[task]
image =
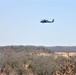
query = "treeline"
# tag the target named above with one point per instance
(25, 48)
(39, 48)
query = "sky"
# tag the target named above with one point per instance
(20, 22)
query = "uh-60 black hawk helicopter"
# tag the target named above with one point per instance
(46, 21)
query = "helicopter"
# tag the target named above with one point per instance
(46, 21)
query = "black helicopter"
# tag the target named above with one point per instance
(46, 21)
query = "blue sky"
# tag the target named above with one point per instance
(20, 22)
